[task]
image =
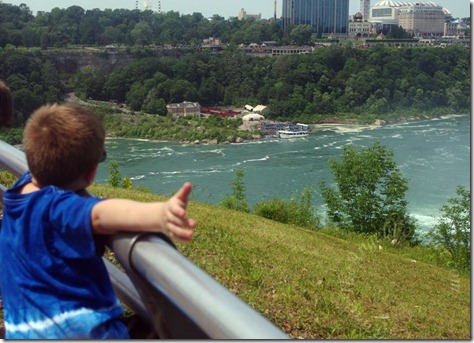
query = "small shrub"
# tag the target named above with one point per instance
(275, 209)
(297, 211)
(115, 178)
(238, 199)
(127, 183)
(304, 212)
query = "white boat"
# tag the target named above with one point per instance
(299, 130)
(291, 133)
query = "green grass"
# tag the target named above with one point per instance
(314, 285)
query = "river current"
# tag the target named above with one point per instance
(433, 154)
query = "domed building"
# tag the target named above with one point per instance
(359, 26)
(419, 18)
(384, 12)
(358, 17)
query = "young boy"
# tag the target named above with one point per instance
(53, 280)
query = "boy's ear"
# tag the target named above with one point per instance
(90, 176)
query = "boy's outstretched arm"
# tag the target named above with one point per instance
(114, 215)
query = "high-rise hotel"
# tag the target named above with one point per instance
(325, 16)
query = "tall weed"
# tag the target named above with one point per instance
(238, 199)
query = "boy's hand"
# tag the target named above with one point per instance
(177, 224)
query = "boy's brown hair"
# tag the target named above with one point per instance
(63, 143)
(6, 106)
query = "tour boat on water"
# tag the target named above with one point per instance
(295, 131)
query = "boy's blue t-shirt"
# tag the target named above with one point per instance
(54, 283)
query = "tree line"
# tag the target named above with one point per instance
(330, 82)
(335, 81)
(75, 26)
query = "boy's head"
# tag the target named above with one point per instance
(63, 143)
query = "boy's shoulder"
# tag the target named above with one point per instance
(23, 180)
(15, 191)
(54, 193)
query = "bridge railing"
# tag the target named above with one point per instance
(171, 294)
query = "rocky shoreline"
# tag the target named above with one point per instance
(342, 125)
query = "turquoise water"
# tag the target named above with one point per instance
(433, 154)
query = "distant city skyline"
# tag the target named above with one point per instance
(324, 16)
(458, 8)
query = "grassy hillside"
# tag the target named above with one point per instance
(313, 285)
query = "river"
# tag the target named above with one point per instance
(433, 154)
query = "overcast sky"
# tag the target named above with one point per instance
(225, 8)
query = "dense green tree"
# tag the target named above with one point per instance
(397, 32)
(4, 36)
(89, 84)
(136, 96)
(50, 75)
(89, 30)
(253, 33)
(30, 36)
(301, 34)
(121, 79)
(208, 92)
(142, 34)
(154, 105)
(453, 230)
(456, 96)
(369, 193)
(25, 102)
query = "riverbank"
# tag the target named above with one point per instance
(207, 131)
(346, 126)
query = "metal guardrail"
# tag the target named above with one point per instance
(166, 290)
